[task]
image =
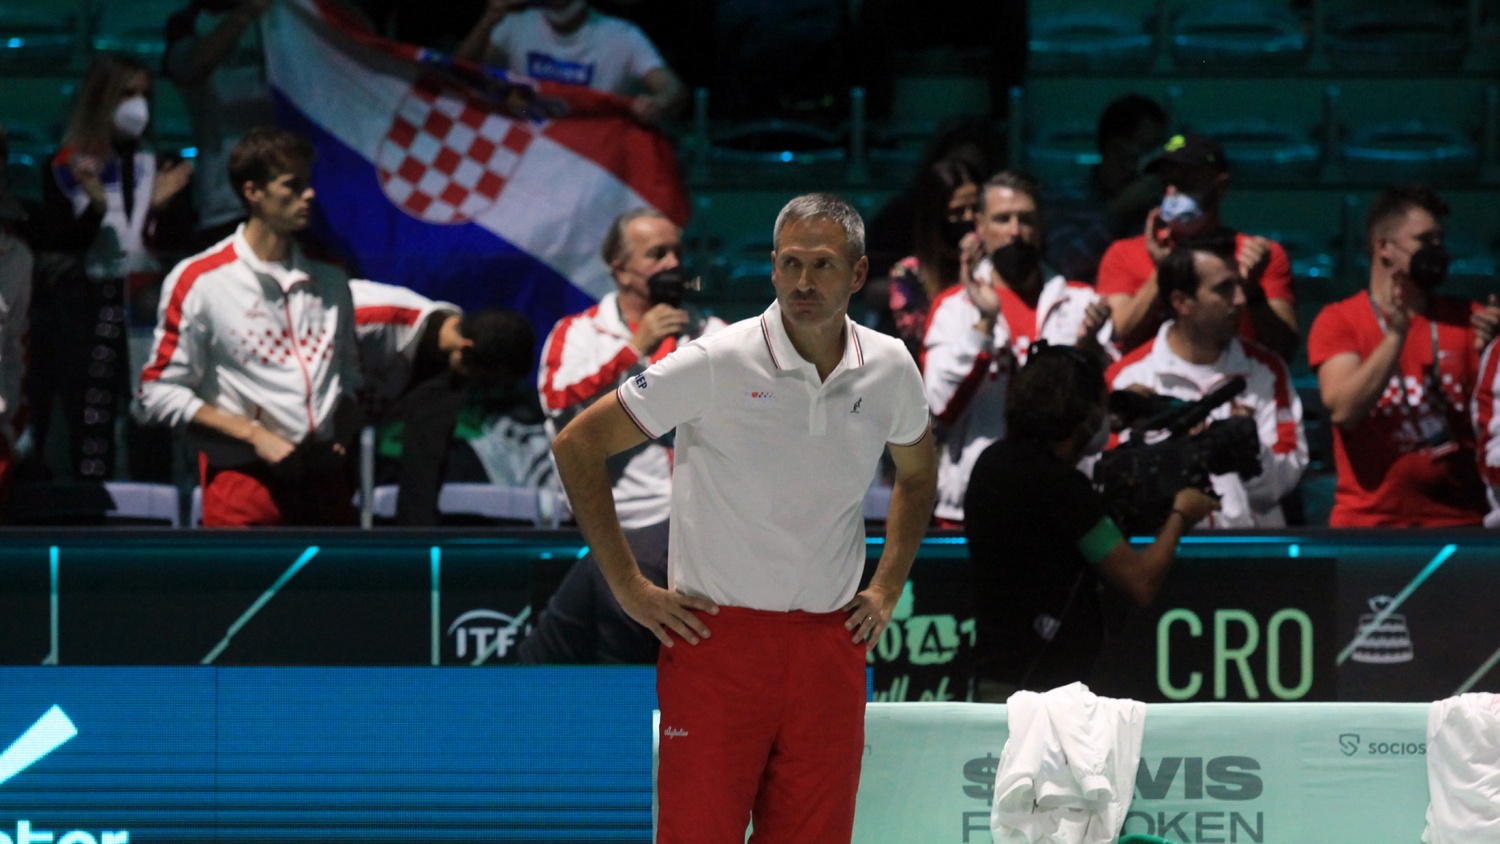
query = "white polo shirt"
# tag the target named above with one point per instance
(772, 464)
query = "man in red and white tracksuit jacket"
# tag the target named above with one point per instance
(590, 354)
(254, 355)
(389, 324)
(1198, 351)
(980, 330)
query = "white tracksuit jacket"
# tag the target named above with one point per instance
(1067, 773)
(272, 343)
(388, 324)
(1463, 769)
(1268, 394)
(967, 374)
(587, 355)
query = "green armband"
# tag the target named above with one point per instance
(1100, 540)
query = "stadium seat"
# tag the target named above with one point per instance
(461, 503)
(144, 503)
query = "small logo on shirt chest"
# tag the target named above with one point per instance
(857, 402)
(760, 399)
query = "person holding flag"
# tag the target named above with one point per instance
(568, 41)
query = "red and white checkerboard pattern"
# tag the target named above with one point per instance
(448, 154)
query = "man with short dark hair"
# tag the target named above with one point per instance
(781, 422)
(981, 329)
(1196, 174)
(1197, 351)
(254, 356)
(1397, 365)
(419, 359)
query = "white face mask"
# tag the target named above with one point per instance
(1180, 210)
(558, 15)
(131, 116)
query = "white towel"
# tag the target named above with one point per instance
(1463, 770)
(1067, 773)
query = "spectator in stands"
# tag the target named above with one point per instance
(971, 140)
(255, 357)
(567, 41)
(1196, 175)
(105, 195)
(947, 198)
(1196, 351)
(588, 355)
(1118, 195)
(1397, 366)
(214, 57)
(16, 261)
(418, 359)
(982, 329)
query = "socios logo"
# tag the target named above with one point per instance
(51, 731)
(1351, 744)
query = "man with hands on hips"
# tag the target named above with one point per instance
(567, 41)
(781, 421)
(980, 330)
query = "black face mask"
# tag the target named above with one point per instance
(954, 231)
(1016, 262)
(1429, 265)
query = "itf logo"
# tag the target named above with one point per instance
(482, 634)
(51, 731)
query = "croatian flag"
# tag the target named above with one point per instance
(466, 187)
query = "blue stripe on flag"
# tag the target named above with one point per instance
(464, 264)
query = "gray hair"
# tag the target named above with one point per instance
(614, 240)
(1015, 180)
(824, 206)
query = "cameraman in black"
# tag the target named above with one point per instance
(1040, 542)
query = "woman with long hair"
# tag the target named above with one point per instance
(946, 200)
(103, 197)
